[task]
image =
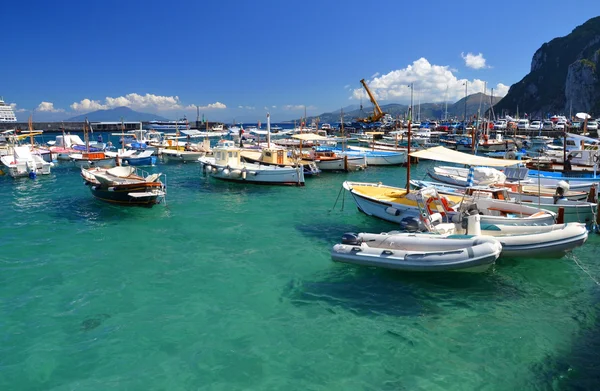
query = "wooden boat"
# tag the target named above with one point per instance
(418, 252)
(124, 185)
(328, 160)
(278, 156)
(88, 157)
(226, 164)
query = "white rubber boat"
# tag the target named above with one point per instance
(522, 241)
(418, 252)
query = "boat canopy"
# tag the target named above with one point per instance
(585, 139)
(448, 155)
(309, 137)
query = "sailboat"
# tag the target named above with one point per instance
(88, 158)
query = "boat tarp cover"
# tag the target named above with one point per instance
(451, 156)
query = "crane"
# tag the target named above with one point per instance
(377, 113)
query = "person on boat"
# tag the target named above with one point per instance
(567, 164)
(188, 144)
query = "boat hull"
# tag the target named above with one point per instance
(550, 244)
(120, 195)
(420, 252)
(254, 174)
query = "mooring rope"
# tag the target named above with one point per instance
(585, 271)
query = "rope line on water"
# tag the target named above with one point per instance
(585, 271)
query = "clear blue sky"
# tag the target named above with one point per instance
(254, 56)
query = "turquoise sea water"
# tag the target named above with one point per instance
(231, 287)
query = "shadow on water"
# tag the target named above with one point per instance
(579, 369)
(371, 291)
(331, 232)
(93, 211)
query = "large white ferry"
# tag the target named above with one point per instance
(168, 125)
(6, 112)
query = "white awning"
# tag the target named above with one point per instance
(448, 155)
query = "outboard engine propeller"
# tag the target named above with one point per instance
(351, 239)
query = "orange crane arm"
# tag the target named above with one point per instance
(378, 114)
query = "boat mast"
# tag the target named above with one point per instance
(86, 136)
(268, 130)
(446, 110)
(408, 139)
(342, 128)
(31, 129)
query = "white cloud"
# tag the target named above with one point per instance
(48, 107)
(501, 89)
(430, 84)
(136, 101)
(246, 107)
(216, 105)
(88, 105)
(14, 107)
(474, 61)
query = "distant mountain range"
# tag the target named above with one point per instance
(564, 76)
(115, 115)
(432, 111)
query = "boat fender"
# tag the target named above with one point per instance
(392, 211)
(93, 187)
(208, 167)
(236, 173)
(253, 173)
(32, 174)
(111, 189)
(244, 173)
(474, 225)
(214, 169)
(226, 171)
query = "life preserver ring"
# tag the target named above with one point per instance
(431, 200)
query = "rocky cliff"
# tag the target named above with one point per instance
(564, 76)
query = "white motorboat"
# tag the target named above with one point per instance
(374, 157)
(394, 204)
(23, 163)
(226, 164)
(181, 156)
(418, 252)
(573, 211)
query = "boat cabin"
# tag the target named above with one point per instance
(227, 154)
(275, 157)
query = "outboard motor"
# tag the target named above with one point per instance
(410, 224)
(351, 239)
(561, 188)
